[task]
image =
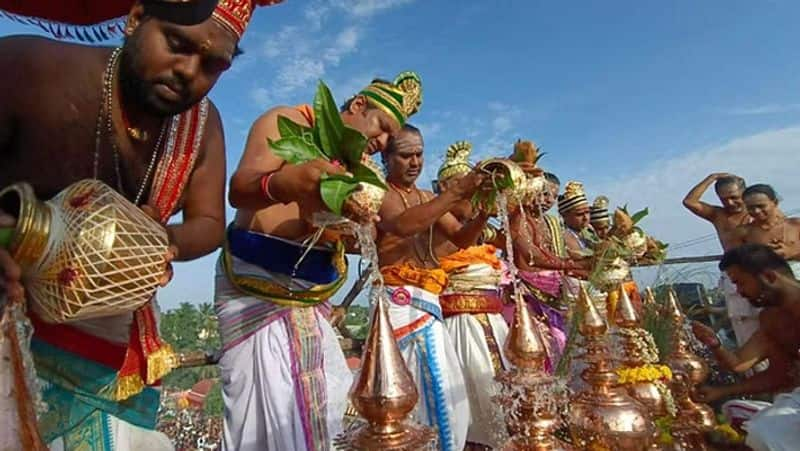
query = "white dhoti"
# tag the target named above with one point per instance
(285, 379)
(743, 316)
(430, 355)
(478, 341)
(774, 427)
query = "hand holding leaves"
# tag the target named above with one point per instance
(328, 140)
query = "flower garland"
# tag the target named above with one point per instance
(656, 374)
(645, 373)
(643, 340)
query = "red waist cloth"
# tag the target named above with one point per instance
(456, 303)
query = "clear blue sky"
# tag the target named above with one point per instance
(638, 100)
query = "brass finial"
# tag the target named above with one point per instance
(384, 393)
(592, 322)
(524, 346)
(626, 315)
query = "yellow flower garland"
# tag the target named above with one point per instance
(645, 373)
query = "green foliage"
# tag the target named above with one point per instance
(330, 139)
(214, 405)
(357, 321)
(190, 328)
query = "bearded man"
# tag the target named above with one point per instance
(409, 219)
(765, 279)
(136, 118)
(284, 375)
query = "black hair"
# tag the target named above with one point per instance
(761, 188)
(755, 259)
(552, 178)
(346, 104)
(729, 180)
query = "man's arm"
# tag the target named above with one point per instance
(464, 235)
(695, 205)
(203, 226)
(402, 222)
(285, 182)
(790, 248)
(774, 378)
(756, 349)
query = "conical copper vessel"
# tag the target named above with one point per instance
(646, 392)
(530, 417)
(384, 394)
(694, 419)
(603, 415)
(680, 357)
(682, 361)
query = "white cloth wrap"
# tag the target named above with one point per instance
(261, 412)
(469, 342)
(432, 360)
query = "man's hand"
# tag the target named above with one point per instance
(466, 186)
(705, 334)
(10, 272)
(708, 394)
(300, 183)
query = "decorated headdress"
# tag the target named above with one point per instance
(399, 99)
(235, 15)
(598, 212)
(456, 161)
(573, 197)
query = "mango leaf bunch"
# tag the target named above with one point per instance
(329, 139)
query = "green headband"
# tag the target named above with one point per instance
(399, 99)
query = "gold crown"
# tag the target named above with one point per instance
(573, 189)
(600, 203)
(456, 161)
(411, 86)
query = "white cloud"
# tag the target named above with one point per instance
(346, 42)
(310, 49)
(772, 108)
(368, 8)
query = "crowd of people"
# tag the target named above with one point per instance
(137, 118)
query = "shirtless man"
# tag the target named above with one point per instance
(726, 219)
(70, 112)
(409, 217)
(281, 358)
(769, 226)
(765, 279)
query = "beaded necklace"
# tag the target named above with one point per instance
(104, 117)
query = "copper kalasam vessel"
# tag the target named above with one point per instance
(499, 168)
(681, 359)
(369, 198)
(86, 253)
(384, 394)
(530, 418)
(603, 415)
(645, 392)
